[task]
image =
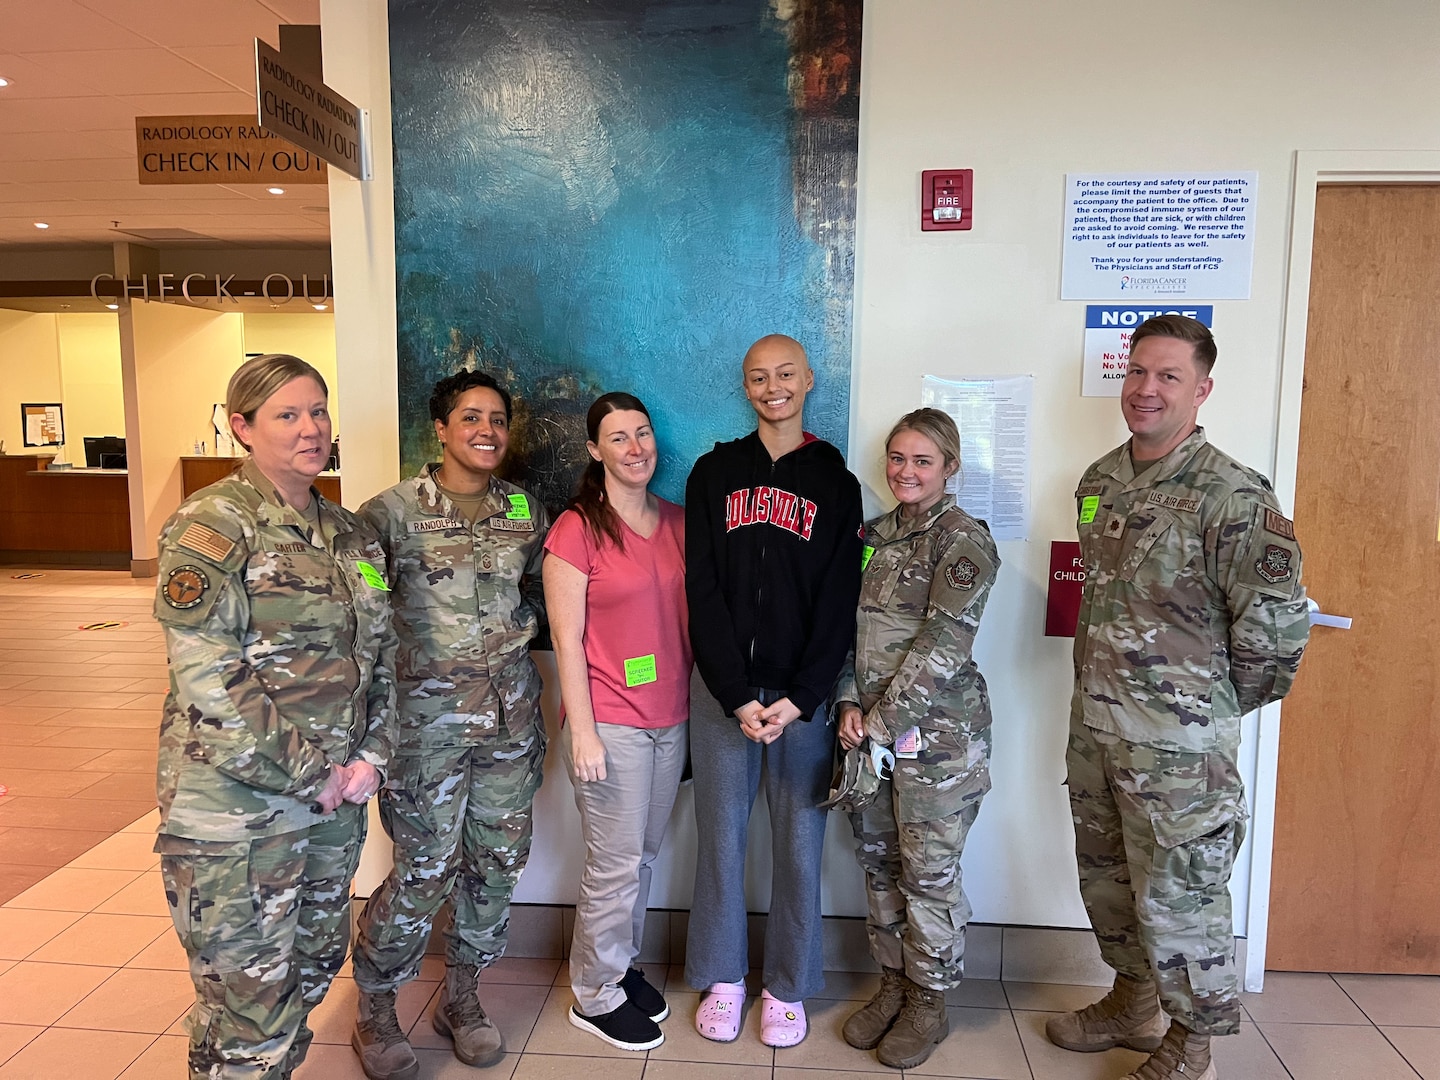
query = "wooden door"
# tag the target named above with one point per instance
(1356, 884)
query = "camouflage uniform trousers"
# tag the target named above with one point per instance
(461, 822)
(917, 910)
(1156, 832)
(265, 923)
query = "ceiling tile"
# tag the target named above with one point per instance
(207, 24)
(136, 71)
(63, 25)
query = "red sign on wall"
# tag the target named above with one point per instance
(1067, 582)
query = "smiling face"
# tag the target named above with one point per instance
(1161, 398)
(777, 378)
(474, 437)
(290, 436)
(916, 471)
(625, 445)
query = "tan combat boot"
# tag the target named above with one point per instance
(1183, 1055)
(384, 1051)
(921, 1026)
(458, 1014)
(866, 1028)
(1127, 1016)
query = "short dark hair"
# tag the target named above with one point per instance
(448, 390)
(1181, 328)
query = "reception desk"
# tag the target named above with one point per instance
(197, 472)
(77, 518)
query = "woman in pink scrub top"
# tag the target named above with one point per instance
(615, 591)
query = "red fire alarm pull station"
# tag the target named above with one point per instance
(945, 199)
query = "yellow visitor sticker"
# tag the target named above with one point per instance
(519, 509)
(640, 670)
(372, 577)
(866, 554)
(1088, 506)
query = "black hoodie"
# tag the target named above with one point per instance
(772, 569)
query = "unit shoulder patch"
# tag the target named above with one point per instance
(185, 587)
(1274, 564)
(961, 574)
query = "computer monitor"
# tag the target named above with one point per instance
(104, 452)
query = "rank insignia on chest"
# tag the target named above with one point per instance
(185, 587)
(961, 574)
(1274, 565)
(1115, 526)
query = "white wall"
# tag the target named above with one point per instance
(1023, 92)
(90, 379)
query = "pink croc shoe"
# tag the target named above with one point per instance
(718, 1018)
(782, 1023)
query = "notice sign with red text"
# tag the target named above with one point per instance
(1107, 340)
(1067, 581)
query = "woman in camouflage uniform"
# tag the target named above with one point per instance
(277, 727)
(914, 688)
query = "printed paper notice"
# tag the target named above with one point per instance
(993, 416)
(1129, 236)
(1107, 340)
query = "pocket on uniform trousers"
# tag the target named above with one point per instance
(1196, 846)
(199, 876)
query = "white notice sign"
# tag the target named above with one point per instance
(1132, 236)
(1107, 340)
(993, 416)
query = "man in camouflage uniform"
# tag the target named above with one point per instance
(917, 690)
(1192, 615)
(280, 643)
(465, 549)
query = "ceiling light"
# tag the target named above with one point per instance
(4, 82)
(319, 307)
(42, 225)
(276, 190)
(113, 307)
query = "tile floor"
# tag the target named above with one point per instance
(93, 983)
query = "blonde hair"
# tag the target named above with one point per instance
(259, 377)
(936, 426)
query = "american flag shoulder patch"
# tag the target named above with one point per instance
(205, 541)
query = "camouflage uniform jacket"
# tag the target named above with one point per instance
(1192, 613)
(281, 659)
(923, 590)
(467, 601)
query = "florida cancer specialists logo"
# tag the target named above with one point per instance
(1154, 284)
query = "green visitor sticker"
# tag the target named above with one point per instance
(519, 509)
(1088, 506)
(372, 577)
(640, 670)
(866, 554)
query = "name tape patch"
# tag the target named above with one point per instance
(436, 525)
(1089, 489)
(508, 524)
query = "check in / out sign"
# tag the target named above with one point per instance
(301, 109)
(219, 150)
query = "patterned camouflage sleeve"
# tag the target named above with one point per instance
(243, 734)
(847, 690)
(382, 719)
(532, 587)
(964, 573)
(1258, 566)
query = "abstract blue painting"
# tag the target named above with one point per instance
(622, 195)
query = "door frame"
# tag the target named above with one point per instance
(1312, 168)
